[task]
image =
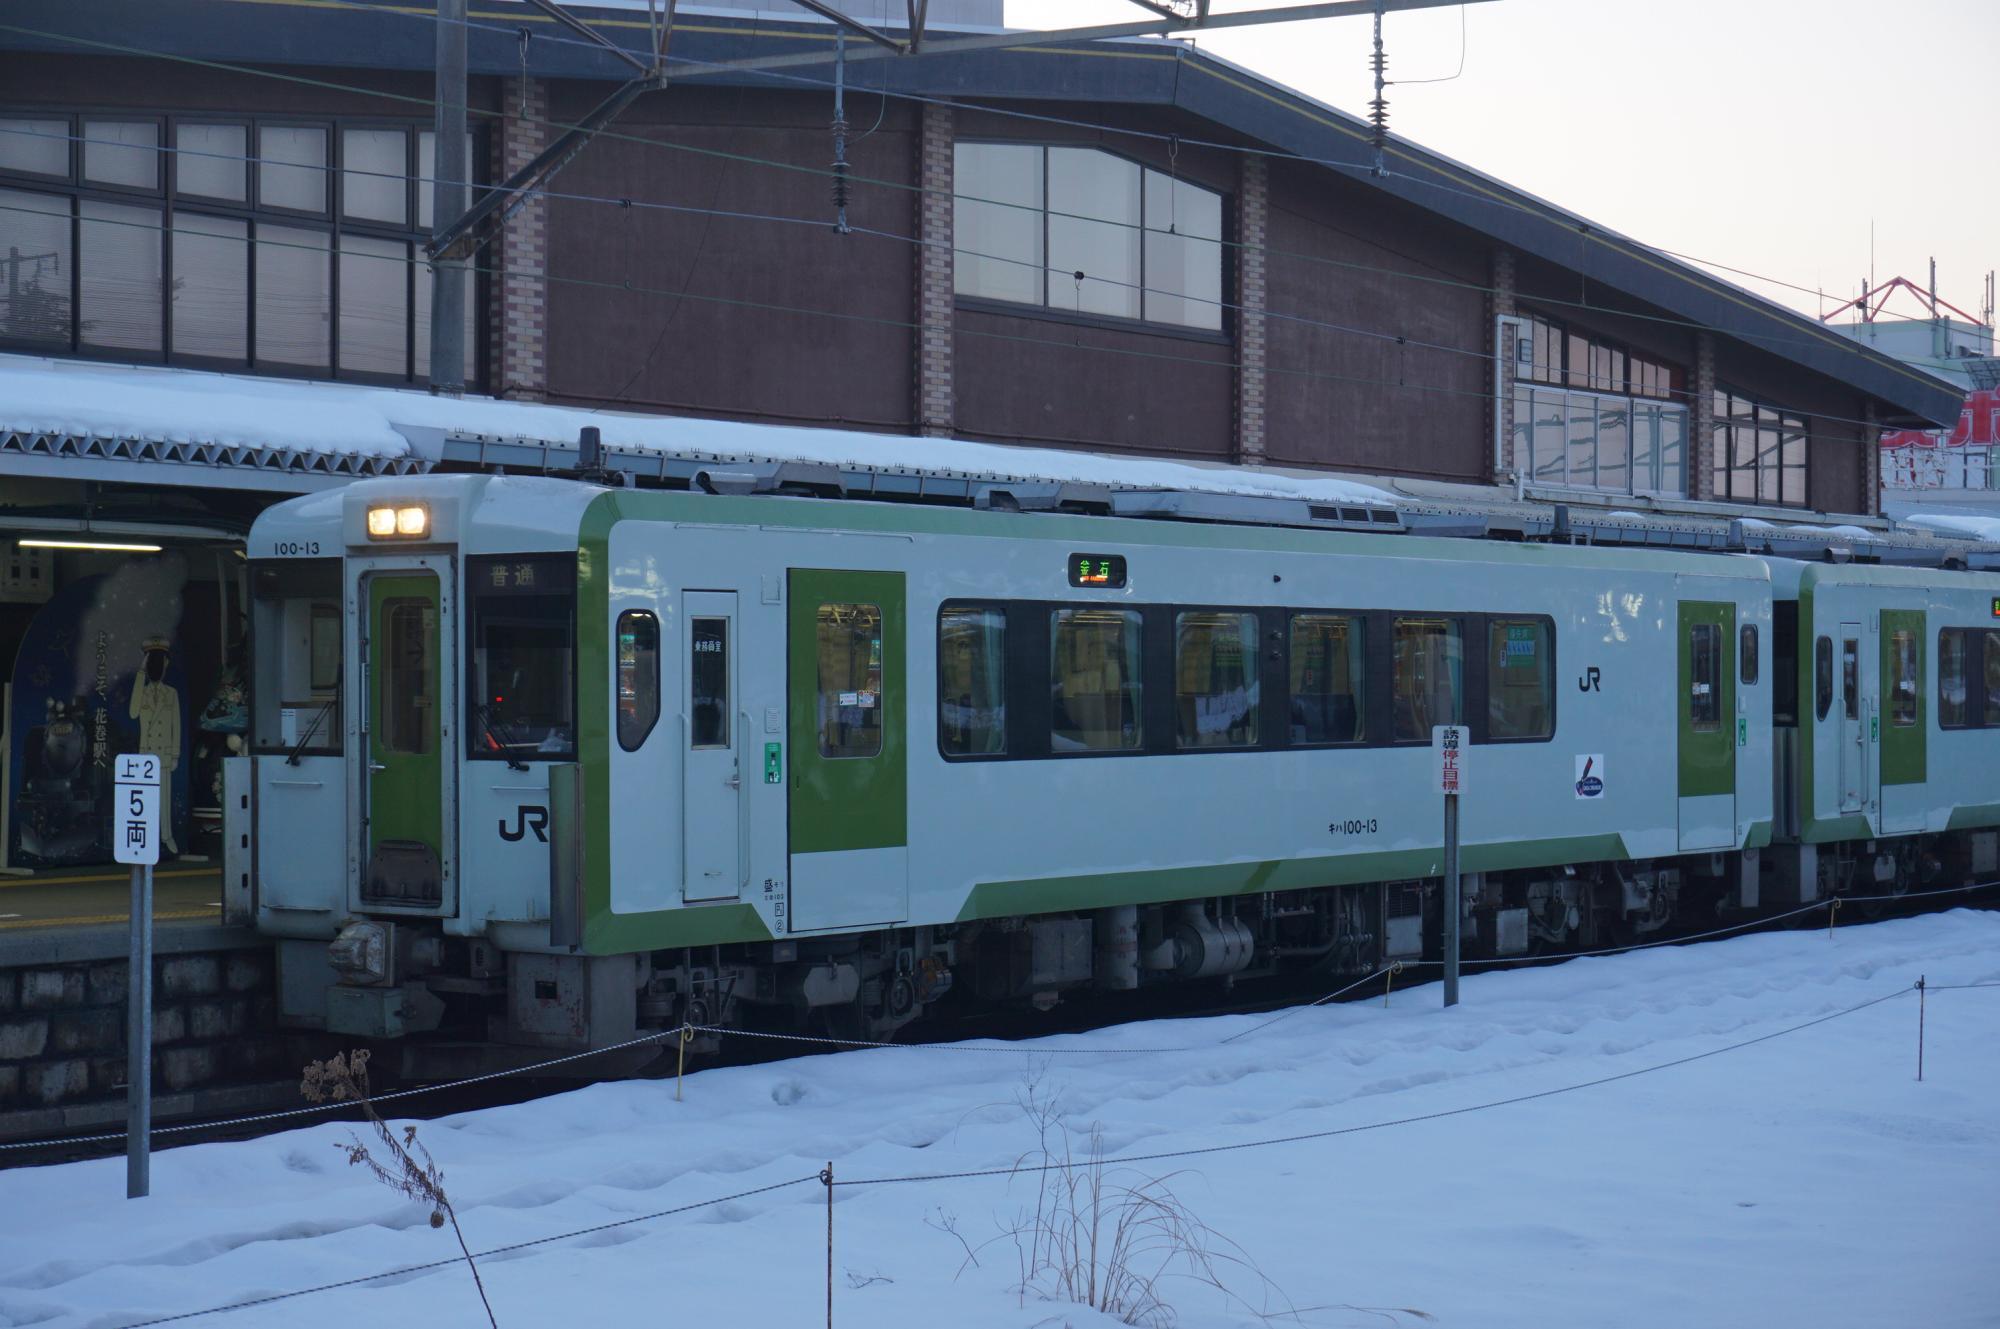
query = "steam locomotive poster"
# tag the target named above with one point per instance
(96, 676)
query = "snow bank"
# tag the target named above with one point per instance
(1979, 528)
(1806, 1181)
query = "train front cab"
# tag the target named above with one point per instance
(1888, 729)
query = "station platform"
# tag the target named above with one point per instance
(98, 897)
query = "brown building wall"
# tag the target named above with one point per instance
(1345, 272)
(688, 311)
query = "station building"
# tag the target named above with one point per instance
(1122, 248)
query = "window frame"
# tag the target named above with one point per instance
(1708, 717)
(1470, 626)
(1252, 669)
(819, 690)
(73, 189)
(1739, 418)
(1225, 331)
(1748, 666)
(1972, 669)
(1824, 677)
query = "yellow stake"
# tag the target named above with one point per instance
(680, 1074)
(1388, 977)
(1832, 914)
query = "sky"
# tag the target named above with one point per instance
(1768, 135)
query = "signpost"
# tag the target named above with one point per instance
(135, 839)
(1449, 741)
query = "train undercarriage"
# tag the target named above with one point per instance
(453, 1006)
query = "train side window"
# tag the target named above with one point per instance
(1705, 676)
(850, 680)
(1905, 678)
(638, 677)
(1429, 680)
(1520, 688)
(1954, 710)
(1746, 653)
(1094, 683)
(1850, 677)
(972, 682)
(1327, 674)
(1822, 676)
(1215, 680)
(1991, 657)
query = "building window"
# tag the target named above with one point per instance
(1085, 231)
(228, 242)
(1760, 451)
(1592, 415)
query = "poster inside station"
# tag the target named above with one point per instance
(97, 675)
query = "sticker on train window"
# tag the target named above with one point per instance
(1100, 570)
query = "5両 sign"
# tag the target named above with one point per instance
(135, 810)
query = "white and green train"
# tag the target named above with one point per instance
(545, 763)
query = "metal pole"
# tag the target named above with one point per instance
(1451, 905)
(139, 1040)
(450, 170)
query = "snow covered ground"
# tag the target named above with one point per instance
(1808, 1180)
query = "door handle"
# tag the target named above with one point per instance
(734, 782)
(376, 766)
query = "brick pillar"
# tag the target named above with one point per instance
(934, 407)
(1500, 304)
(1701, 450)
(521, 253)
(1253, 197)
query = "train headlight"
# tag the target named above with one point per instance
(409, 522)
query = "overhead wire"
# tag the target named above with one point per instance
(1360, 168)
(1363, 168)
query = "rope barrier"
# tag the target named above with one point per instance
(826, 1178)
(684, 1032)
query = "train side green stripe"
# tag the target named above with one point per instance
(1048, 895)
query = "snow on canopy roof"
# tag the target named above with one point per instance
(382, 428)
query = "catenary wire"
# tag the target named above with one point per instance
(1584, 229)
(1401, 382)
(821, 83)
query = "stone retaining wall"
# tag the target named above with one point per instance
(62, 1020)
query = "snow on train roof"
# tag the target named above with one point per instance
(318, 419)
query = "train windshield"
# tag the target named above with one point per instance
(296, 623)
(521, 657)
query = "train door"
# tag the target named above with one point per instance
(1855, 708)
(1902, 721)
(406, 682)
(712, 767)
(1707, 757)
(848, 685)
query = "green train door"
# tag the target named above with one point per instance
(403, 782)
(1708, 722)
(848, 806)
(1903, 751)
